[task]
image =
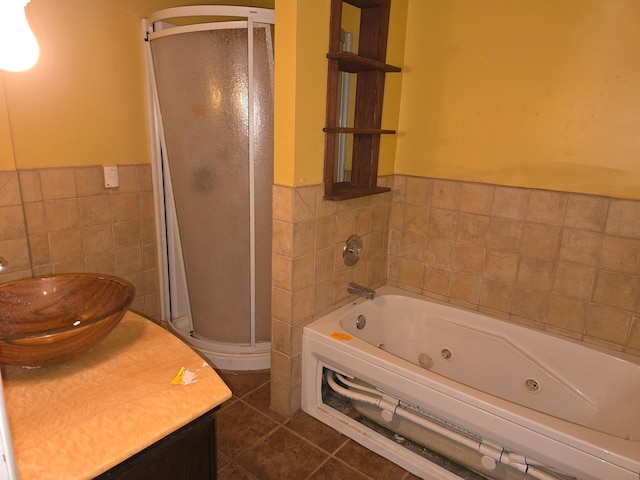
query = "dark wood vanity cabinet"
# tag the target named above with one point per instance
(369, 66)
(187, 454)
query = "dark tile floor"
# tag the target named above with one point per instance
(255, 443)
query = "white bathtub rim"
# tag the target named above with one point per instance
(598, 407)
(389, 290)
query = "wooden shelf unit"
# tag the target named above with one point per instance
(370, 67)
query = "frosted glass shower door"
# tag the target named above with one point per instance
(204, 94)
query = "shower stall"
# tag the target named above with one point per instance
(210, 85)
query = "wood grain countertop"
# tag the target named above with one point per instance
(77, 419)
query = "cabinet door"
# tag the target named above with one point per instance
(187, 454)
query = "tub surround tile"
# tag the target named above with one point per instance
(607, 324)
(504, 235)
(581, 246)
(567, 314)
(446, 194)
(565, 262)
(623, 218)
(304, 204)
(281, 304)
(303, 304)
(540, 241)
(304, 238)
(442, 224)
(574, 280)
(476, 198)
(510, 202)
(552, 260)
(326, 232)
(546, 207)
(634, 336)
(616, 290)
(535, 273)
(282, 238)
(620, 254)
(465, 288)
(415, 190)
(495, 295)
(500, 265)
(310, 278)
(437, 281)
(586, 212)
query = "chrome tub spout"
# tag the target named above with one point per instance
(355, 289)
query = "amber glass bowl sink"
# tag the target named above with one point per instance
(49, 319)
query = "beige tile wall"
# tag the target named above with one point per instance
(309, 275)
(58, 220)
(563, 262)
(14, 245)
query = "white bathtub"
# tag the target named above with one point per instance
(573, 408)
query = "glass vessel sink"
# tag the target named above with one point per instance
(48, 319)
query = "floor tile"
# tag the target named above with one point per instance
(282, 455)
(260, 399)
(368, 462)
(256, 443)
(242, 383)
(334, 469)
(317, 432)
(238, 427)
(231, 472)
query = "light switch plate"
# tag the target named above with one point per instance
(111, 177)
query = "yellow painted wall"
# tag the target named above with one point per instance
(84, 102)
(535, 93)
(6, 148)
(302, 38)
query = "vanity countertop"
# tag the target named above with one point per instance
(77, 419)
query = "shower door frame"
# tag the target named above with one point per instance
(163, 198)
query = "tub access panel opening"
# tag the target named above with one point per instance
(453, 448)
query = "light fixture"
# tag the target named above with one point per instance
(18, 45)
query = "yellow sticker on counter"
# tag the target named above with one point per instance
(341, 336)
(177, 380)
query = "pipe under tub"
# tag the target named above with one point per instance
(391, 406)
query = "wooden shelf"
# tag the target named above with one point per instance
(370, 68)
(345, 191)
(358, 131)
(363, 3)
(352, 63)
